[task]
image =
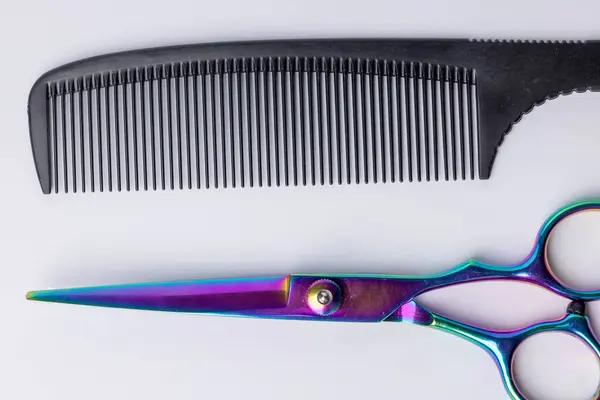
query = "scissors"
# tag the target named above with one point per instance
(361, 298)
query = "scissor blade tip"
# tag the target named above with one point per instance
(42, 295)
(34, 295)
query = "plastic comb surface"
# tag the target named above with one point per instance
(278, 113)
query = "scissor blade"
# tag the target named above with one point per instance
(223, 296)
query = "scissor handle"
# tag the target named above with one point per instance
(534, 269)
(538, 263)
(503, 346)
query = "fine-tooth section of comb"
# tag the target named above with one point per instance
(290, 113)
(261, 122)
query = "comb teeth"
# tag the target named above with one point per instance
(262, 122)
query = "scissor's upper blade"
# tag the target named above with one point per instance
(224, 296)
(355, 298)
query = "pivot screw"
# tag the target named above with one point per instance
(324, 297)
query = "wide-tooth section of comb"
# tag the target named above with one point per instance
(264, 121)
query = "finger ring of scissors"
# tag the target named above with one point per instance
(360, 298)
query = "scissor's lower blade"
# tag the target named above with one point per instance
(225, 296)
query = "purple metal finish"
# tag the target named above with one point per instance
(364, 299)
(228, 296)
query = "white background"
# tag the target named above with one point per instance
(63, 352)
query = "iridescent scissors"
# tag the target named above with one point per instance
(360, 298)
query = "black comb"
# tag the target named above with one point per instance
(296, 112)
